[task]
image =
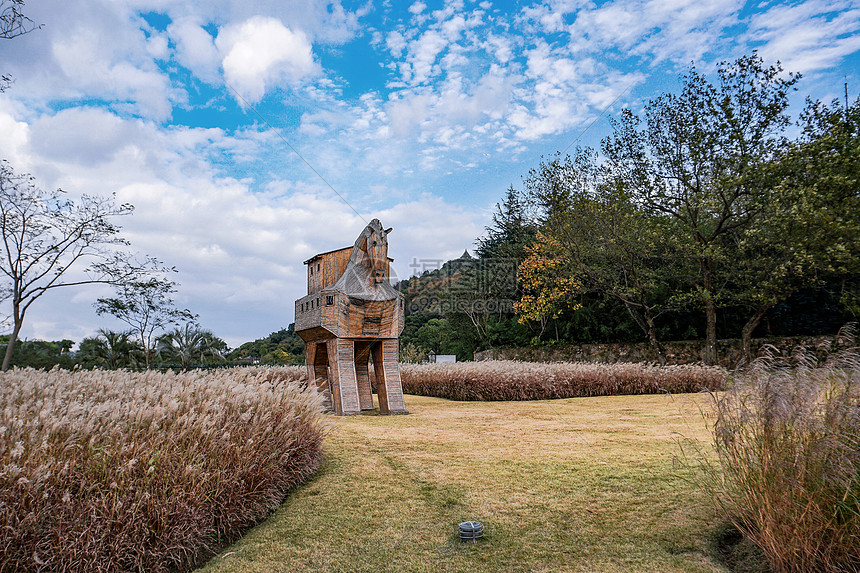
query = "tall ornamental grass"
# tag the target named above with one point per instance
(121, 471)
(788, 477)
(510, 380)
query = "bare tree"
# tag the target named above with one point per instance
(147, 306)
(13, 23)
(47, 239)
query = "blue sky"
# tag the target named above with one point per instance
(418, 113)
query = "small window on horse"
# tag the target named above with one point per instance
(329, 300)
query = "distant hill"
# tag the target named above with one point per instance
(281, 347)
(464, 305)
(425, 293)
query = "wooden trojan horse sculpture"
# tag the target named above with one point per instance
(352, 313)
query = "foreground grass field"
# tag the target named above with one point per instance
(581, 484)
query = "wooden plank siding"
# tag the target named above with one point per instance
(346, 378)
(365, 392)
(324, 269)
(348, 316)
(387, 371)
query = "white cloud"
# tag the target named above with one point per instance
(423, 53)
(396, 43)
(156, 45)
(262, 53)
(83, 135)
(550, 17)
(501, 47)
(195, 49)
(89, 51)
(809, 36)
(676, 30)
(16, 135)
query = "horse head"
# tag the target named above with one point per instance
(373, 243)
(366, 273)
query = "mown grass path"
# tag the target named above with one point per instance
(582, 484)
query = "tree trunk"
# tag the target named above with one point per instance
(476, 322)
(646, 323)
(543, 322)
(746, 333)
(147, 344)
(710, 353)
(655, 344)
(10, 348)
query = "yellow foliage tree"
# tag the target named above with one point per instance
(547, 287)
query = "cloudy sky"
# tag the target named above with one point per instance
(251, 134)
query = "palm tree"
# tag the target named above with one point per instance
(111, 350)
(190, 344)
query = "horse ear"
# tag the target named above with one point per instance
(363, 244)
(388, 230)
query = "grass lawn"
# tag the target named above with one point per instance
(582, 484)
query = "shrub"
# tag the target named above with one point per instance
(120, 471)
(788, 444)
(509, 380)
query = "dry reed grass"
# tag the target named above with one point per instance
(788, 439)
(510, 380)
(120, 471)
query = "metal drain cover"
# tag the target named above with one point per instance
(471, 531)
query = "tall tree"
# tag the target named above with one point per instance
(698, 161)
(822, 170)
(512, 229)
(46, 240)
(147, 306)
(613, 247)
(809, 230)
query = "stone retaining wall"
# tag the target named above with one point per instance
(683, 352)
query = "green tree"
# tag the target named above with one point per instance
(45, 239)
(147, 306)
(612, 247)
(512, 229)
(809, 228)
(191, 344)
(111, 350)
(40, 353)
(432, 335)
(699, 161)
(283, 347)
